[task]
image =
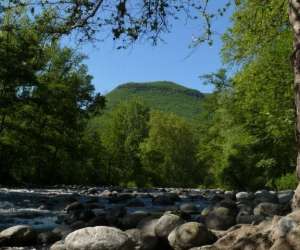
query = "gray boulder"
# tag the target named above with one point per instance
(190, 235)
(59, 245)
(20, 235)
(166, 224)
(98, 238)
(220, 218)
(267, 209)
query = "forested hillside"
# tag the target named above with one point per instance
(163, 95)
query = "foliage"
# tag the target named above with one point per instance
(168, 154)
(124, 130)
(164, 96)
(47, 99)
(288, 181)
(249, 142)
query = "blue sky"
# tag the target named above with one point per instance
(172, 60)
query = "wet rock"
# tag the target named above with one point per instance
(20, 235)
(230, 195)
(136, 202)
(98, 238)
(188, 208)
(92, 191)
(220, 218)
(246, 218)
(267, 209)
(243, 196)
(74, 206)
(265, 196)
(131, 220)
(190, 235)
(166, 224)
(47, 238)
(163, 200)
(285, 197)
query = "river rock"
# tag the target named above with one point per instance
(59, 245)
(267, 209)
(188, 208)
(166, 224)
(136, 202)
(74, 206)
(285, 197)
(163, 200)
(141, 240)
(190, 235)
(98, 238)
(131, 220)
(243, 196)
(20, 235)
(265, 196)
(220, 218)
(47, 238)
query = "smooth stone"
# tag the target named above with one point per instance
(59, 245)
(220, 218)
(20, 235)
(98, 238)
(190, 235)
(166, 224)
(267, 209)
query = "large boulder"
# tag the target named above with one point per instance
(20, 235)
(190, 235)
(220, 218)
(246, 237)
(59, 245)
(98, 238)
(166, 224)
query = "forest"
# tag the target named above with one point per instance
(55, 128)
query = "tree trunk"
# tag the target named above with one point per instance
(294, 17)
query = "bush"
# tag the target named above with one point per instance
(288, 181)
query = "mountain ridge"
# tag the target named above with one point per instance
(159, 95)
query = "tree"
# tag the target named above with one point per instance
(169, 153)
(46, 97)
(123, 131)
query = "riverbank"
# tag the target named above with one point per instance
(137, 219)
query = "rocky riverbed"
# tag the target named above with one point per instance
(74, 218)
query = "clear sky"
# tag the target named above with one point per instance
(172, 60)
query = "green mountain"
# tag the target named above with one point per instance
(162, 95)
